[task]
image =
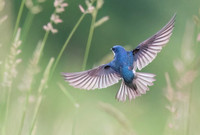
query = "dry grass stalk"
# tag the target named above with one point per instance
(119, 116)
(180, 95)
(31, 71)
(10, 72)
(12, 62)
(43, 85)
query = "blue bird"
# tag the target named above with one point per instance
(123, 67)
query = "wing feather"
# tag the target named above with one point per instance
(99, 77)
(146, 51)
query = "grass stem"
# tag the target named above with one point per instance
(43, 84)
(35, 115)
(189, 112)
(24, 113)
(68, 95)
(43, 44)
(27, 24)
(19, 16)
(92, 26)
(10, 64)
(28, 93)
(6, 113)
(76, 105)
(66, 43)
(74, 121)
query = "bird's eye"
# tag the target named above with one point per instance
(113, 49)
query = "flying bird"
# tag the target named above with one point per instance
(123, 67)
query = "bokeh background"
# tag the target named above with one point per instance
(99, 113)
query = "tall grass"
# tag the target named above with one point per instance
(179, 92)
(10, 72)
(41, 88)
(10, 69)
(93, 11)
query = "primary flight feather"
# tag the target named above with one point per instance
(124, 66)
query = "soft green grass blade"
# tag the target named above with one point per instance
(19, 16)
(119, 116)
(73, 101)
(88, 45)
(43, 85)
(68, 95)
(27, 82)
(10, 72)
(66, 43)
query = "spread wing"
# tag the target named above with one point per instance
(99, 77)
(146, 51)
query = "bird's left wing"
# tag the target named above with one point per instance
(146, 51)
(99, 77)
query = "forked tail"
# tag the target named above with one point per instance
(141, 81)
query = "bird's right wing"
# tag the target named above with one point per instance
(146, 51)
(99, 77)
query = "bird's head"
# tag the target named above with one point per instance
(117, 49)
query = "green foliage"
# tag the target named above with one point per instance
(39, 39)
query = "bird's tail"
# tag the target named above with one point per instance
(140, 86)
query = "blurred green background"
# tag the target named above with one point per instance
(130, 22)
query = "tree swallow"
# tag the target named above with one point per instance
(123, 67)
